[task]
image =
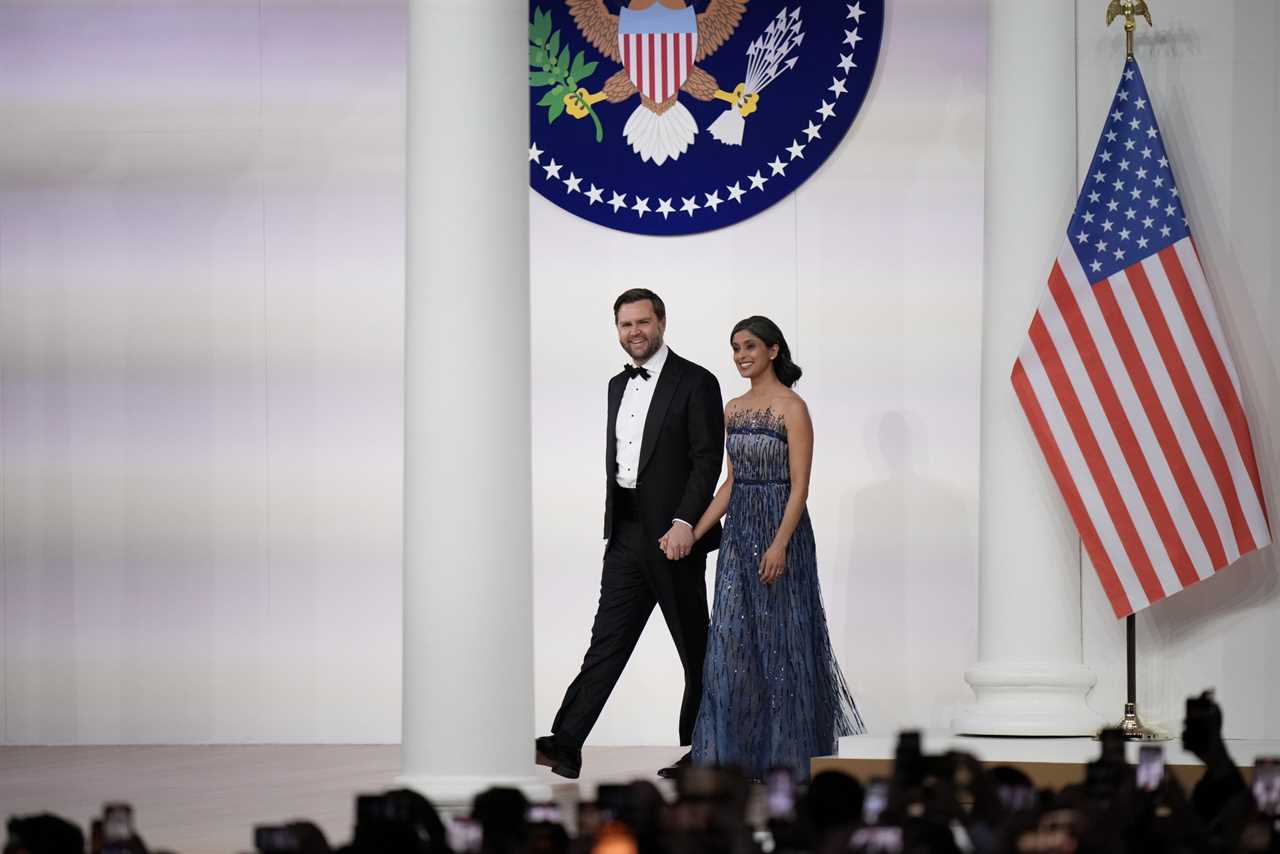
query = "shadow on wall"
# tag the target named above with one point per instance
(912, 606)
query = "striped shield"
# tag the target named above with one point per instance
(657, 46)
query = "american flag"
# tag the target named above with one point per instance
(1127, 382)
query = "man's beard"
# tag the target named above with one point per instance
(655, 344)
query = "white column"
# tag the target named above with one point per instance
(1030, 679)
(468, 628)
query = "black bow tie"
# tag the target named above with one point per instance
(632, 372)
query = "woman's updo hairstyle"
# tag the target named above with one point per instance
(767, 331)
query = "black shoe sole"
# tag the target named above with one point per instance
(557, 767)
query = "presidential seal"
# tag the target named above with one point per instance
(652, 116)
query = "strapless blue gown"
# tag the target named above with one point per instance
(772, 693)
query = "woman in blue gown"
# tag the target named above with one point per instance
(772, 693)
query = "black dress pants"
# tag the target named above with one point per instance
(635, 577)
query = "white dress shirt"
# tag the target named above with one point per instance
(634, 409)
(628, 428)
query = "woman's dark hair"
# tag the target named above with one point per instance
(767, 331)
(640, 295)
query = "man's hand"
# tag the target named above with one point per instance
(677, 542)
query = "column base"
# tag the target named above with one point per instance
(1027, 699)
(447, 791)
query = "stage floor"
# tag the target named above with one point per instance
(197, 799)
(1048, 761)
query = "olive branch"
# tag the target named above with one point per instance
(554, 68)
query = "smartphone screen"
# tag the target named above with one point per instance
(543, 814)
(117, 824)
(877, 798)
(781, 799)
(1150, 767)
(1266, 784)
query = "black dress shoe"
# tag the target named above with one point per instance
(675, 767)
(560, 758)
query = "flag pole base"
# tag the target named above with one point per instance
(1135, 730)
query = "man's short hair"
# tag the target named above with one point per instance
(640, 295)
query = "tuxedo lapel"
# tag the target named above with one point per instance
(668, 381)
(616, 386)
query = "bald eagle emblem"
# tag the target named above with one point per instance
(672, 117)
(659, 44)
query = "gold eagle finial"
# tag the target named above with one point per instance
(1130, 9)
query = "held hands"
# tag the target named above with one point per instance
(677, 542)
(773, 563)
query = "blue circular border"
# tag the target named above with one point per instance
(567, 169)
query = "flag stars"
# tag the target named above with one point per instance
(796, 150)
(664, 208)
(1119, 253)
(1105, 157)
(641, 207)
(1095, 266)
(1113, 206)
(1146, 153)
(851, 38)
(1082, 237)
(1141, 173)
(1158, 181)
(1134, 124)
(1107, 225)
(1142, 242)
(1147, 222)
(713, 201)
(1165, 231)
(736, 192)
(1128, 74)
(618, 201)
(778, 167)
(846, 62)
(688, 205)
(1087, 216)
(553, 169)
(1130, 214)
(1152, 133)
(855, 12)
(1153, 202)
(837, 86)
(1118, 184)
(1170, 210)
(1111, 136)
(757, 181)
(1117, 116)
(595, 194)
(1141, 103)
(1102, 245)
(1123, 94)
(1099, 176)
(1124, 234)
(1094, 197)
(813, 132)
(826, 110)
(1164, 162)
(1135, 194)
(1124, 165)
(535, 153)
(1129, 145)
(572, 183)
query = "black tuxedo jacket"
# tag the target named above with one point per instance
(680, 453)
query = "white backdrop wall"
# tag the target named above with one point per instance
(201, 278)
(201, 295)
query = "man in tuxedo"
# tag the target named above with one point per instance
(664, 443)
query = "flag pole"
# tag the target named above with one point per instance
(1132, 726)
